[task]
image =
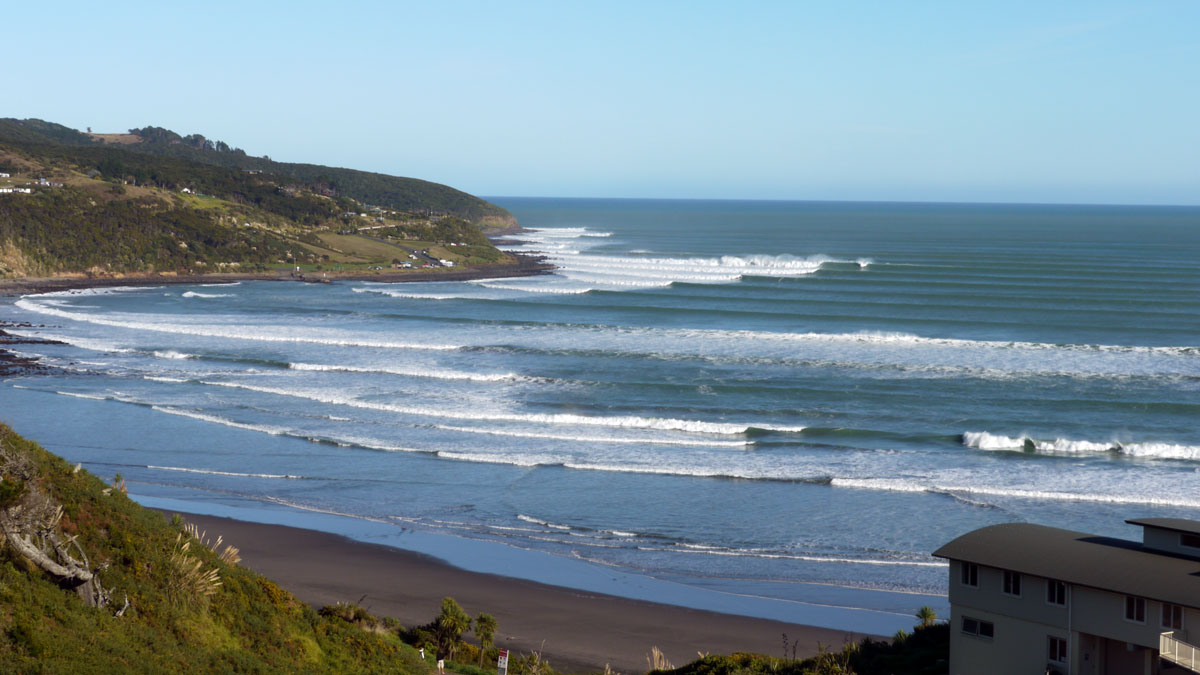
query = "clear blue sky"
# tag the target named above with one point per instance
(942, 101)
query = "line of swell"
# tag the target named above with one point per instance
(213, 472)
(209, 331)
(569, 419)
(894, 485)
(598, 439)
(861, 337)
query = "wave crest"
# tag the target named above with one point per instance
(983, 440)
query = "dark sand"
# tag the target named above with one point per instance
(576, 631)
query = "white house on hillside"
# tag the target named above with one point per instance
(1035, 599)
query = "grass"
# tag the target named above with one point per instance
(355, 248)
(189, 611)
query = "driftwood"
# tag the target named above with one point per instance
(29, 524)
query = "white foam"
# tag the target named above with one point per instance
(159, 378)
(196, 294)
(531, 519)
(434, 373)
(213, 472)
(409, 295)
(481, 458)
(900, 339)
(1161, 450)
(172, 354)
(983, 440)
(274, 431)
(109, 290)
(566, 249)
(597, 439)
(75, 394)
(773, 555)
(537, 288)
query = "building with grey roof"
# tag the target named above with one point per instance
(1034, 599)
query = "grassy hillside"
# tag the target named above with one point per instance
(390, 192)
(170, 603)
(105, 210)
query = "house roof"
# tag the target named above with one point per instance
(1176, 524)
(1106, 563)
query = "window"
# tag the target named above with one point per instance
(983, 629)
(1056, 592)
(1172, 616)
(1135, 609)
(1012, 583)
(970, 574)
(1056, 649)
(1189, 540)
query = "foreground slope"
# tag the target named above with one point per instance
(157, 599)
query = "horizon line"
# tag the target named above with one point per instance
(847, 201)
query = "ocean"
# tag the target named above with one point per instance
(769, 408)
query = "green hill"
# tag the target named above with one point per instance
(103, 208)
(391, 192)
(91, 582)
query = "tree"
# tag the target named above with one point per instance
(927, 616)
(449, 626)
(485, 630)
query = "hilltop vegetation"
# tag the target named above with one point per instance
(390, 192)
(106, 209)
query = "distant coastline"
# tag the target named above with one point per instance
(527, 265)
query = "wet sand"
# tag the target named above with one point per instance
(577, 631)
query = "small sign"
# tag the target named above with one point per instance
(502, 662)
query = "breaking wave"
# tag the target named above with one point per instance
(983, 440)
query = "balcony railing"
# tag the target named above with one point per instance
(1178, 652)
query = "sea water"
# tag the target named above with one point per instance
(796, 401)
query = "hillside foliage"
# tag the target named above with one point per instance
(107, 210)
(190, 609)
(392, 192)
(143, 236)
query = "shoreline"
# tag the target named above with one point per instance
(526, 266)
(576, 630)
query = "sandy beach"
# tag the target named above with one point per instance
(576, 631)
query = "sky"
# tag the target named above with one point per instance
(1068, 102)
